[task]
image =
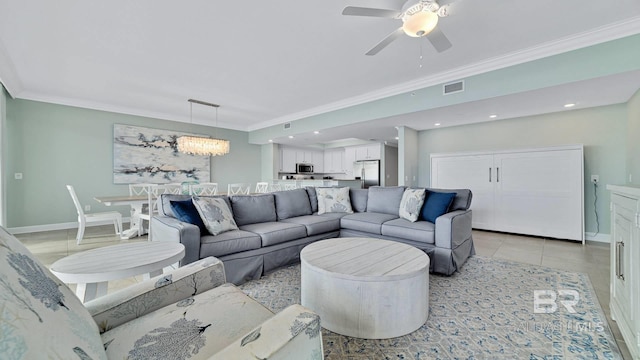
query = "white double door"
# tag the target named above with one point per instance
(536, 192)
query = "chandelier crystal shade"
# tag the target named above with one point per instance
(196, 145)
(205, 146)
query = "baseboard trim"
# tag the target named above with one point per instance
(58, 226)
(603, 238)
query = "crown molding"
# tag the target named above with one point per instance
(8, 74)
(596, 36)
(95, 105)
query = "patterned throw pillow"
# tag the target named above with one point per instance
(215, 214)
(411, 204)
(334, 200)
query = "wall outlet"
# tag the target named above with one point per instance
(87, 208)
(17, 176)
(595, 179)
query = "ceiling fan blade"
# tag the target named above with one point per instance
(362, 11)
(438, 40)
(386, 41)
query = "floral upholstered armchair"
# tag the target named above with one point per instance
(190, 313)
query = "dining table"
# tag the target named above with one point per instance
(136, 202)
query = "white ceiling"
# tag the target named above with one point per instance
(269, 62)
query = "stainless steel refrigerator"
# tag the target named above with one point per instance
(368, 171)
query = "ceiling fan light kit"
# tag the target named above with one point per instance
(420, 23)
(418, 20)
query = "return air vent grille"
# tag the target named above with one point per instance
(287, 126)
(451, 88)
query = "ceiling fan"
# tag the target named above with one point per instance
(418, 20)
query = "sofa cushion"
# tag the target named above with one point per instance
(334, 200)
(422, 231)
(217, 318)
(436, 204)
(366, 221)
(229, 242)
(273, 233)
(164, 202)
(291, 203)
(186, 211)
(316, 224)
(313, 198)
(215, 214)
(462, 201)
(411, 204)
(251, 209)
(41, 316)
(385, 200)
(359, 199)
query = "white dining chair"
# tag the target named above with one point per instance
(290, 185)
(84, 219)
(275, 187)
(238, 189)
(206, 189)
(262, 187)
(145, 213)
(155, 191)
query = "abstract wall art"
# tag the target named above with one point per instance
(145, 155)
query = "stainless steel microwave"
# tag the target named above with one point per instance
(302, 168)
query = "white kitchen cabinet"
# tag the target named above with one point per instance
(334, 161)
(534, 191)
(625, 264)
(290, 156)
(317, 159)
(287, 160)
(349, 159)
(367, 152)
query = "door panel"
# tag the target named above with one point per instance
(469, 172)
(540, 193)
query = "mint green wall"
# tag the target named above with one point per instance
(601, 130)
(407, 156)
(3, 153)
(53, 145)
(633, 140)
(270, 166)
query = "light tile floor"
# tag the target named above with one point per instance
(592, 258)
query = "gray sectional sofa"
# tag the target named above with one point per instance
(273, 228)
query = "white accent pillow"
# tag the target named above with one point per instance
(334, 200)
(215, 214)
(411, 203)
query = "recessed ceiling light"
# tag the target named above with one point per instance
(290, 136)
(270, 140)
(316, 132)
(569, 105)
(493, 116)
(397, 138)
(437, 124)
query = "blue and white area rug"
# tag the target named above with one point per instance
(490, 309)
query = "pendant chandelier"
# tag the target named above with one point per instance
(198, 145)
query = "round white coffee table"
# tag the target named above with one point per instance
(366, 288)
(92, 269)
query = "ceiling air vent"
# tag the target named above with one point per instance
(451, 88)
(287, 126)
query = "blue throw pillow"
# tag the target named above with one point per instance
(185, 211)
(436, 204)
